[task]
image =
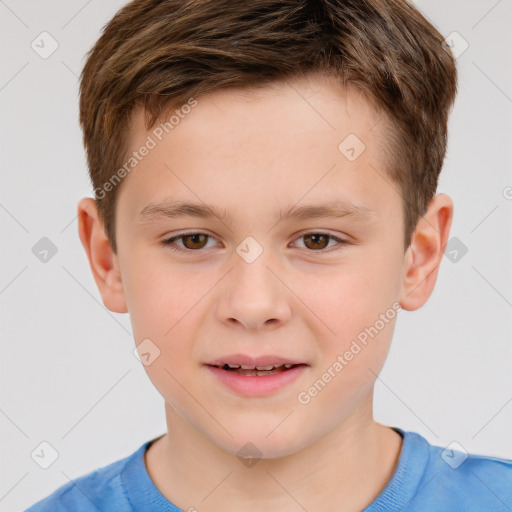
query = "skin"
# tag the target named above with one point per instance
(252, 152)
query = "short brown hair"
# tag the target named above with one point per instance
(158, 54)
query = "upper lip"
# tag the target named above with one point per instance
(246, 360)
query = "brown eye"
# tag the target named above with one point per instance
(320, 242)
(195, 241)
(316, 241)
(188, 242)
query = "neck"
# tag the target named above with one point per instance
(345, 470)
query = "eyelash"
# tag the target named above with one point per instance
(169, 242)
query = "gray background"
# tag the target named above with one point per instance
(68, 374)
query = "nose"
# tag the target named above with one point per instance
(253, 295)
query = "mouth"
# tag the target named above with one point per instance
(256, 376)
(257, 371)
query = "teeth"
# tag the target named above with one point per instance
(259, 368)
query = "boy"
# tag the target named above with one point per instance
(265, 180)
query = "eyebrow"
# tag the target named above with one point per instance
(171, 209)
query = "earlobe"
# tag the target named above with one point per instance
(102, 260)
(424, 255)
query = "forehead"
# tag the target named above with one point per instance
(315, 102)
(289, 140)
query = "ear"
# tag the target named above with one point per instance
(102, 259)
(423, 256)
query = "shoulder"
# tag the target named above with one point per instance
(465, 481)
(101, 489)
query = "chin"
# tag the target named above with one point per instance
(251, 443)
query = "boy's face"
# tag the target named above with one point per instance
(304, 299)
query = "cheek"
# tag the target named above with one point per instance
(165, 314)
(160, 296)
(355, 310)
(349, 364)
(164, 305)
(351, 298)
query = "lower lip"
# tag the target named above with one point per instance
(256, 385)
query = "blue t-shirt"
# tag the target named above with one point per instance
(428, 478)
